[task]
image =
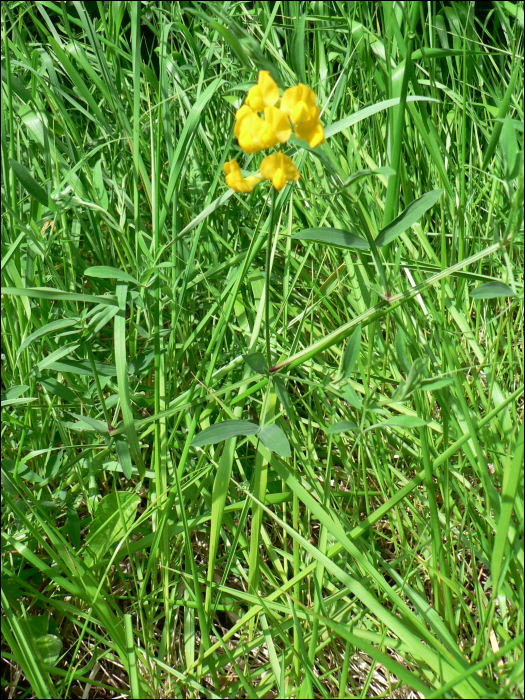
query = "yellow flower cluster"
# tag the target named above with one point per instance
(298, 106)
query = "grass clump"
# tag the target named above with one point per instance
(262, 443)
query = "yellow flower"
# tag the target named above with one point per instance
(299, 103)
(279, 169)
(311, 130)
(278, 122)
(264, 94)
(252, 132)
(236, 181)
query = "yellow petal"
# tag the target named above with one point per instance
(264, 94)
(236, 181)
(279, 123)
(300, 113)
(231, 167)
(279, 179)
(293, 96)
(277, 166)
(311, 131)
(268, 88)
(254, 99)
(254, 134)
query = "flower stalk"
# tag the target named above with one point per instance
(268, 273)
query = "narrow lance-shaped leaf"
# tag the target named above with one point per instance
(223, 431)
(274, 439)
(30, 184)
(492, 290)
(406, 219)
(333, 237)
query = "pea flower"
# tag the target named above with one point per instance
(279, 169)
(299, 103)
(264, 94)
(256, 133)
(236, 181)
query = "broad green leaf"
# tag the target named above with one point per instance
(223, 431)
(342, 427)
(115, 516)
(491, 290)
(30, 184)
(257, 362)
(406, 219)
(50, 648)
(332, 237)
(274, 439)
(105, 272)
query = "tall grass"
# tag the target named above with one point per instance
(384, 555)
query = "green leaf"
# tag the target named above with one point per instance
(14, 392)
(98, 425)
(386, 171)
(48, 328)
(509, 150)
(115, 516)
(511, 480)
(401, 351)
(350, 396)
(406, 219)
(283, 396)
(274, 439)
(30, 184)
(124, 457)
(351, 353)
(73, 527)
(223, 431)
(50, 648)
(491, 290)
(104, 272)
(401, 422)
(83, 368)
(333, 237)
(433, 384)
(54, 357)
(342, 427)
(49, 645)
(17, 402)
(257, 362)
(98, 183)
(366, 112)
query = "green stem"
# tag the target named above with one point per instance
(267, 289)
